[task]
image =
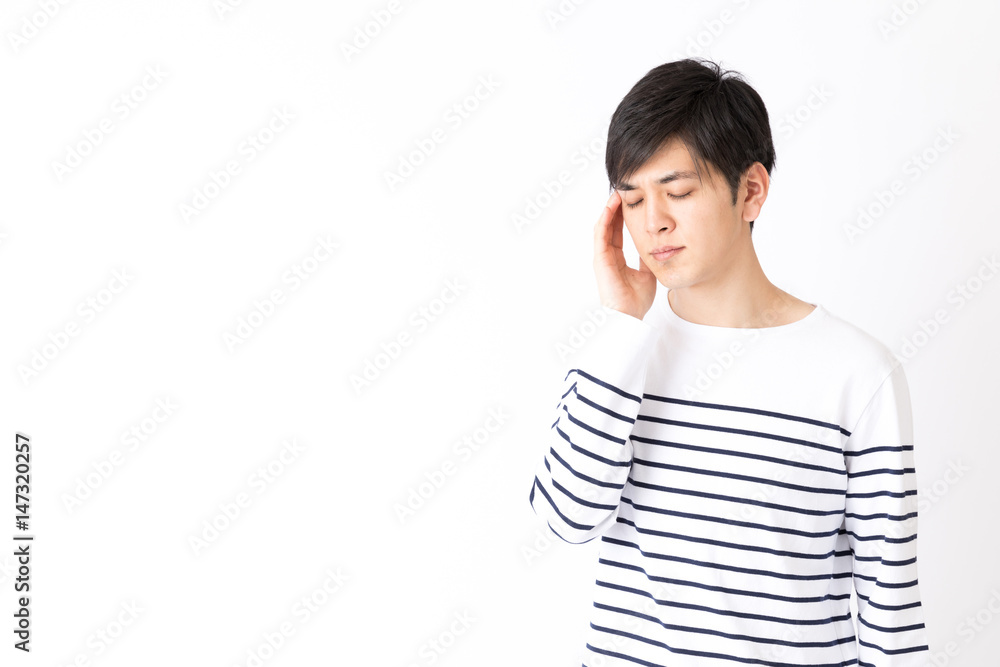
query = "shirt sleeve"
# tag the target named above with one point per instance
(588, 454)
(881, 522)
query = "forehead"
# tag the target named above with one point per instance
(671, 162)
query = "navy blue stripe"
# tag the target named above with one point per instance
(580, 501)
(874, 494)
(881, 515)
(755, 411)
(723, 589)
(719, 566)
(569, 522)
(872, 450)
(586, 478)
(610, 387)
(888, 540)
(723, 612)
(734, 499)
(585, 452)
(719, 633)
(746, 478)
(598, 407)
(742, 431)
(732, 452)
(588, 427)
(896, 651)
(733, 522)
(880, 471)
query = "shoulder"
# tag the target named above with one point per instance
(863, 360)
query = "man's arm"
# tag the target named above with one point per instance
(588, 454)
(881, 523)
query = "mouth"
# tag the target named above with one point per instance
(666, 252)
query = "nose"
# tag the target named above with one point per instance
(657, 216)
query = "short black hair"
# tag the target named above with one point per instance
(717, 115)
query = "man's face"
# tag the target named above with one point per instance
(697, 215)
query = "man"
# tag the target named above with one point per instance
(746, 457)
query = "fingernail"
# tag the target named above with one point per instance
(610, 199)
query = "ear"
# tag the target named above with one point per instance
(754, 186)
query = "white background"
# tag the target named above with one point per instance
(474, 547)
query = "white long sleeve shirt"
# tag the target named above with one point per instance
(741, 481)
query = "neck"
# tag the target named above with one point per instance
(742, 297)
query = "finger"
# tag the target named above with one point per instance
(617, 220)
(643, 267)
(603, 231)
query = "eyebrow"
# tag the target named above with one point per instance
(666, 178)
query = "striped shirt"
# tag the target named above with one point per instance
(742, 482)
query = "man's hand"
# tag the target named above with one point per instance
(621, 287)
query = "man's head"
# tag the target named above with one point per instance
(690, 116)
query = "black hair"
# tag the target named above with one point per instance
(717, 115)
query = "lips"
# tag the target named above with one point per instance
(656, 251)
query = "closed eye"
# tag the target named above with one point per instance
(633, 205)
